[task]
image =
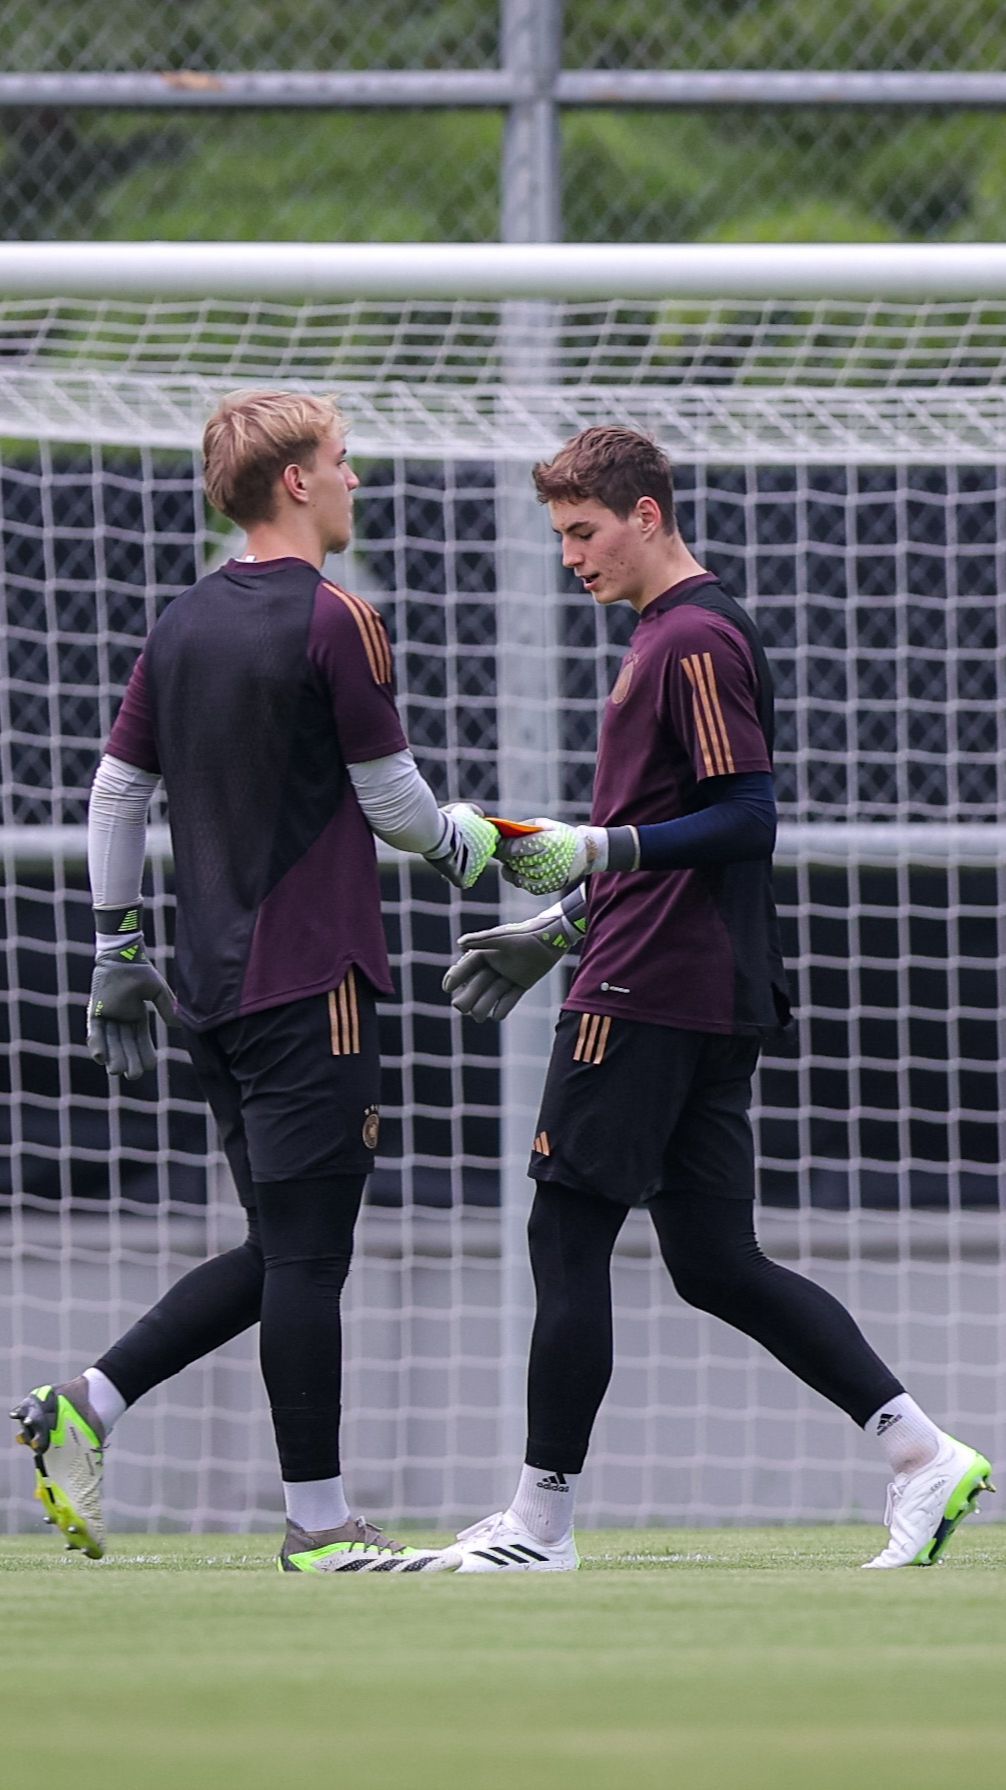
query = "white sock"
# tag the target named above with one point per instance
(316, 1504)
(543, 1503)
(907, 1436)
(107, 1401)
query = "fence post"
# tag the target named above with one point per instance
(527, 657)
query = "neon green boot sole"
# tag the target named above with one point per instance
(962, 1502)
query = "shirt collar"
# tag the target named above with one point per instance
(267, 565)
(677, 594)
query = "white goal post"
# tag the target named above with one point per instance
(838, 418)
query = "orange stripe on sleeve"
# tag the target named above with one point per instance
(378, 634)
(707, 709)
(371, 631)
(700, 726)
(714, 697)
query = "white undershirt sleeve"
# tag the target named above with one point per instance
(398, 802)
(117, 832)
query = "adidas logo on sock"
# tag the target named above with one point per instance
(556, 1482)
(885, 1421)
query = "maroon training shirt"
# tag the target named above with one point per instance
(254, 691)
(696, 949)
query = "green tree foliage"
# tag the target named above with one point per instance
(221, 35)
(785, 34)
(628, 175)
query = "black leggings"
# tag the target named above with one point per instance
(714, 1259)
(288, 1274)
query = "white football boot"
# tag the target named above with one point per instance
(68, 1442)
(501, 1544)
(358, 1546)
(925, 1507)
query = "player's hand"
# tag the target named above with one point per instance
(555, 857)
(502, 963)
(123, 989)
(467, 843)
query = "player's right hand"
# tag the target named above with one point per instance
(123, 989)
(467, 843)
(553, 857)
(502, 963)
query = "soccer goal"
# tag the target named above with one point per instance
(837, 417)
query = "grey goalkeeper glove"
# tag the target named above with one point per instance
(557, 855)
(124, 986)
(465, 845)
(501, 964)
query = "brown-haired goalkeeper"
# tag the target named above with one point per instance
(680, 979)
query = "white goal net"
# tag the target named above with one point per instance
(841, 463)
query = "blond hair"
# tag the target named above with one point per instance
(249, 440)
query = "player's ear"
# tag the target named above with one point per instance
(292, 480)
(648, 516)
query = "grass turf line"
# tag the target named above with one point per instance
(741, 1659)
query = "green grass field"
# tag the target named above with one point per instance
(741, 1660)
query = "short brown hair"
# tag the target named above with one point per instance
(249, 440)
(617, 466)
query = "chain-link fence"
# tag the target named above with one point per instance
(246, 176)
(219, 35)
(434, 176)
(795, 176)
(383, 174)
(815, 34)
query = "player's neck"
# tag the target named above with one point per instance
(670, 568)
(280, 540)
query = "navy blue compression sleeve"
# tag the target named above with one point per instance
(736, 824)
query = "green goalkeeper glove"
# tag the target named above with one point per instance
(465, 846)
(502, 963)
(124, 985)
(557, 855)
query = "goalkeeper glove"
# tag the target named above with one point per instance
(465, 845)
(124, 984)
(558, 855)
(502, 963)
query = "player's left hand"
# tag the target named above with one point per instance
(118, 1024)
(555, 857)
(501, 963)
(466, 844)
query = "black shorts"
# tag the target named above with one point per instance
(295, 1089)
(632, 1111)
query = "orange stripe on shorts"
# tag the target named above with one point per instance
(344, 1017)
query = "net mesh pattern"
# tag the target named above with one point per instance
(753, 380)
(878, 585)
